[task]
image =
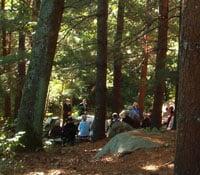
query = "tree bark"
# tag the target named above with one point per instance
(21, 68)
(143, 78)
(188, 120)
(117, 56)
(6, 49)
(31, 112)
(160, 63)
(101, 63)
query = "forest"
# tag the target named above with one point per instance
(98, 87)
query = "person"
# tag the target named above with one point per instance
(84, 128)
(83, 107)
(115, 118)
(135, 115)
(56, 131)
(124, 115)
(165, 116)
(67, 109)
(170, 121)
(134, 112)
(147, 119)
(69, 131)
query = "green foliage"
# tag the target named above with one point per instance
(74, 70)
(9, 142)
(10, 59)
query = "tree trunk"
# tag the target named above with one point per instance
(188, 120)
(177, 80)
(6, 49)
(117, 56)
(160, 63)
(32, 106)
(21, 67)
(6, 41)
(101, 63)
(35, 6)
(143, 78)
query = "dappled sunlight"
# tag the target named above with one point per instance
(155, 140)
(48, 172)
(109, 159)
(171, 166)
(35, 173)
(150, 167)
(121, 148)
(153, 137)
(93, 150)
(157, 166)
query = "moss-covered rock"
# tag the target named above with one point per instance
(125, 143)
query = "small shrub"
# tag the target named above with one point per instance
(7, 152)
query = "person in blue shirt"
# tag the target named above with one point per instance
(135, 115)
(134, 112)
(84, 127)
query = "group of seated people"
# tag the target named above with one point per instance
(134, 118)
(70, 130)
(82, 130)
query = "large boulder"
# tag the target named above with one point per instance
(125, 143)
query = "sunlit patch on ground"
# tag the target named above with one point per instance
(150, 167)
(108, 159)
(48, 172)
(171, 166)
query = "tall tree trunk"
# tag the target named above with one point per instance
(32, 106)
(7, 98)
(35, 6)
(188, 120)
(143, 78)
(117, 56)
(6, 49)
(179, 57)
(21, 67)
(160, 63)
(101, 63)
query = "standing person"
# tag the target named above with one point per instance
(83, 107)
(170, 121)
(69, 131)
(165, 116)
(67, 109)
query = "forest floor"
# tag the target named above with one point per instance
(79, 159)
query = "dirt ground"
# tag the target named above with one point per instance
(79, 159)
